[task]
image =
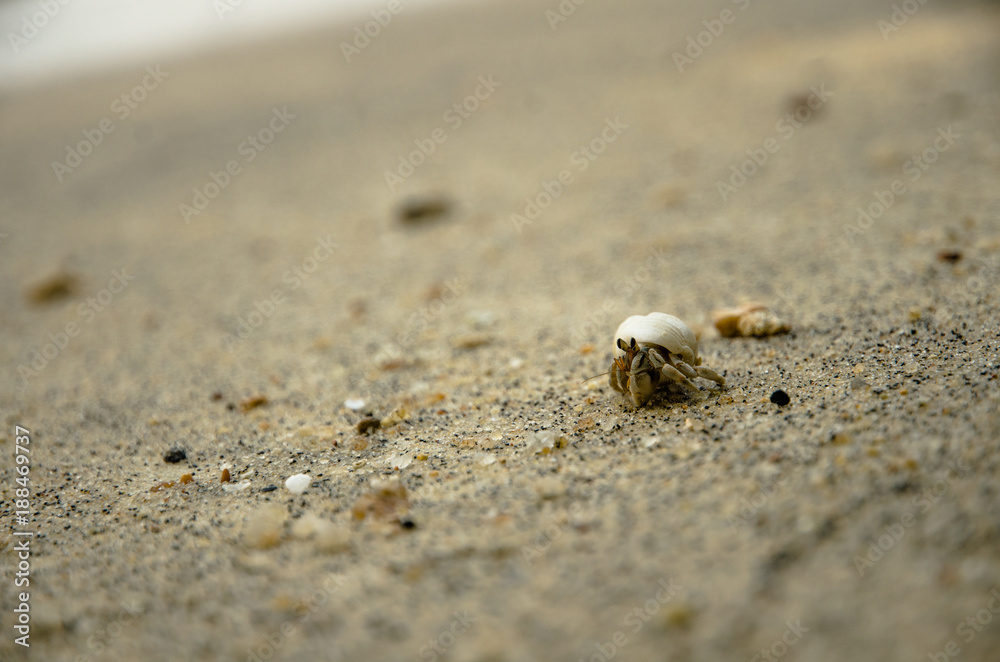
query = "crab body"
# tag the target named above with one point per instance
(656, 350)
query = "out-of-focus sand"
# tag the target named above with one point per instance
(765, 523)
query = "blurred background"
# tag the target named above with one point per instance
(76, 36)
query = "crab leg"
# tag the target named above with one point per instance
(673, 374)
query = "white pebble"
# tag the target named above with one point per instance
(354, 404)
(399, 461)
(298, 483)
(485, 459)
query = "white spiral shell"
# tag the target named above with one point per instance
(660, 330)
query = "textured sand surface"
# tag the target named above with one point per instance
(543, 518)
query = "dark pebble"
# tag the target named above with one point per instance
(780, 398)
(408, 523)
(419, 210)
(952, 256)
(366, 425)
(269, 488)
(174, 455)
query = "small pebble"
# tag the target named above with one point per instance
(397, 415)
(398, 462)
(545, 442)
(471, 341)
(420, 209)
(269, 488)
(780, 398)
(354, 404)
(859, 384)
(174, 455)
(481, 319)
(949, 255)
(53, 288)
(252, 403)
(298, 483)
(366, 425)
(226, 477)
(484, 459)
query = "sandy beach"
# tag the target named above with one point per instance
(387, 261)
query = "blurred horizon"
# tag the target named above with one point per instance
(48, 40)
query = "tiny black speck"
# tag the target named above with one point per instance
(780, 398)
(408, 524)
(174, 455)
(269, 488)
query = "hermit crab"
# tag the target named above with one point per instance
(656, 350)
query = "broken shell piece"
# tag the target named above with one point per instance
(298, 483)
(751, 319)
(354, 404)
(396, 416)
